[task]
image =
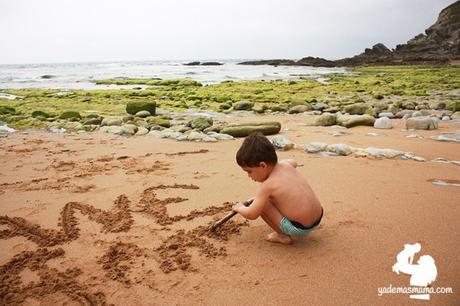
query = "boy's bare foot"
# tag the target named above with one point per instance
(279, 238)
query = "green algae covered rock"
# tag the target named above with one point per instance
(159, 121)
(349, 121)
(134, 107)
(36, 114)
(7, 110)
(243, 105)
(201, 123)
(70, 115)
(244, 129)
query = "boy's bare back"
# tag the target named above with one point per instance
(288, 190)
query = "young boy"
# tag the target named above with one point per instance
(284, 199)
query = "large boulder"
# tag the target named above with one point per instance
(134, 107)
(422, 123)
(244, 129)
(349, 121)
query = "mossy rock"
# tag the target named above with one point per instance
(301, 108)
(7, 110)
(225, 106)
(356, 109)
(36, 114)
(134, 107)
(70, 115)
(349, 121)
(244, 129)
(454, 106)
(201, 123)
(278, 108)
(243, 105)
(259, 108)
(92, 121)
(159, 121)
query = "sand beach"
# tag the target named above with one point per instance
(95, 218)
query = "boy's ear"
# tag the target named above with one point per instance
(263, 164)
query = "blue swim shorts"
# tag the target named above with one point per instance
(293, 228)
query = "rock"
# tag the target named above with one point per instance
(299, 109)
(404, 113)
(386, 114)
(143, 114)
(315, 147)
(355, 120)
(340, 149)
(282, 143)
(326, 119)
(159, 121)
(111, 121)
(180, 128)
(128, 118)
(445, 118)
(135, 107)
(243, 105)
(259, 108)
(454, 138)
(382, 153)
(383, 123)
(92, 121)
(195, 136)
(70, 115)
(208, 138)
(36, 114)
(244, 129)
(356, 109)
(73, 126)
(437, 105)
(201, 123)
(454, 106)
(220, 136)
(338, 133)
(5, 129)
(142, 131)
(455, 116)
(7, 110)
(320, 106)
(129, 129)
(421, 123)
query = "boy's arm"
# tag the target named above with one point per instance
(253, 211)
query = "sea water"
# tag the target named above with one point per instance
(83, 75)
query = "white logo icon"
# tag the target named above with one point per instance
(422, 274)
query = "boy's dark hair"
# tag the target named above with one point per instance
(256, 148)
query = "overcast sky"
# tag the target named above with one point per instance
(40, 31)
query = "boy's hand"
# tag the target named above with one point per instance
(237, 207)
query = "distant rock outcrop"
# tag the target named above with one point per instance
(440, 45)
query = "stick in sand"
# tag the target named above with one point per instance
(228, 216)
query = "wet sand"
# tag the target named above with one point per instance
(100, 219)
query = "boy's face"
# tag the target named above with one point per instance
(259, 173)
